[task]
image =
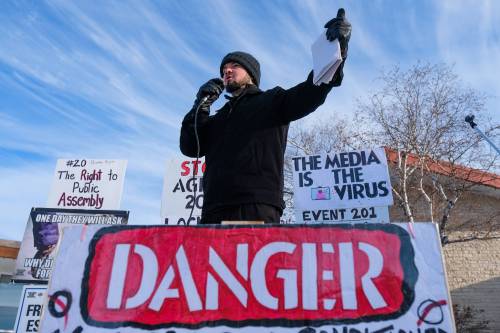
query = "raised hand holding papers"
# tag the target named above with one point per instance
(326, 59)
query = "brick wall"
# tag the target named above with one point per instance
(473, 269)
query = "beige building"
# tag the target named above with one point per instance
(472, 255)
(8, 255)
(10, 294)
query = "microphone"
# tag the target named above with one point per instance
(204, 99)
(216, 87)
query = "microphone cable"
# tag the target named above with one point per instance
(198, 148)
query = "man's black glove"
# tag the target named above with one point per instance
(339, 28)
(211, 90)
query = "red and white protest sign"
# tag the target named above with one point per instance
(182, 192)
(239, 278)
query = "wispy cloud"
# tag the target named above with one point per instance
(115, 80)
(22, 188)
(468, 36)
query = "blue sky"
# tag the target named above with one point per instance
(113, 79)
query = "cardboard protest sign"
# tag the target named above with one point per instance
(267, 278)
(341, 187)
(38, 248)
(30, 309)
(91, 184)
(179, 187)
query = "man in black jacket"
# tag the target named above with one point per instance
(244, 142)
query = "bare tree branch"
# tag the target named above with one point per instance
(419, 113)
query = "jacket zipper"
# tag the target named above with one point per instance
(236, 100)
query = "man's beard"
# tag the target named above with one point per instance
(233, 86)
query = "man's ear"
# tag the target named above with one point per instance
(250, 81)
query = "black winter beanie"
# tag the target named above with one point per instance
(246, 60)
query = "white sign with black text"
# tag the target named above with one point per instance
(341, 215)
(87, 184)
(30, 308)
(349, 186)
(182, 192)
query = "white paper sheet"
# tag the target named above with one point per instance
(326, 59)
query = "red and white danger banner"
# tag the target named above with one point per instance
(366, 277)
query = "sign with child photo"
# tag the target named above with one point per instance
(351, 186)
